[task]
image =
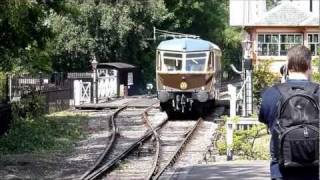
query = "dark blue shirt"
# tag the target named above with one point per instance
(268, 114)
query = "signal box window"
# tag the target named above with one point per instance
(277, 44)
(314, 43)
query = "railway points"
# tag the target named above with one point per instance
(165, 152)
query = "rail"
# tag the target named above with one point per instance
(155, 165)
(108, 148)
(98, 172)
(176, 154)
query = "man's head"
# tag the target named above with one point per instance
(299, 59)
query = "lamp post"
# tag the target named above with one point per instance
(94, 64)
(247, 71)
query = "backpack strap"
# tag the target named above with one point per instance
(312, 88)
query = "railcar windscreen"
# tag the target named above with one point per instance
(172, 64)
(196, 64)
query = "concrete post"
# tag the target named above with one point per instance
(94, 87)
(232, 90)
(249, 93)
(77, 92)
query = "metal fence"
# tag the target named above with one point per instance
(56, 89)
(3, 88)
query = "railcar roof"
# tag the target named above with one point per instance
(187, 45)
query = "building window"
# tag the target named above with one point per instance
(313, 43)
(277, 44)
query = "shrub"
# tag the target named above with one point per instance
(262, 78)
(30, 106)
(250, 144)
(316, 74)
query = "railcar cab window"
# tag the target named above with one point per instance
(195, 62)
(172, 62)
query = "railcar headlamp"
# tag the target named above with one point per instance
(202, 96)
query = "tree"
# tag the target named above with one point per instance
(24, 34)
(209, 20)
(110, 31)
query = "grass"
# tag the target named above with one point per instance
(56, 132)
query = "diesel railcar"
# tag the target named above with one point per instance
(187, 75)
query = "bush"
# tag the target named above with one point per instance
(316, 75)
(249, 144)
(30, 106)
(262, 78)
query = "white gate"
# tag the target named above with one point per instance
(82, 92)
(85, 92)
(107, 83)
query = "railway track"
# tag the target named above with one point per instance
(159, 153)
(142, 157)
(173, 156)
(121, 144)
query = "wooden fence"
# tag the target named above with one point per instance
(56, 89)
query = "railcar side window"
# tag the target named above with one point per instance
(211, 64)
(172, 64)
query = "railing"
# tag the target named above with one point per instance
(56, 89)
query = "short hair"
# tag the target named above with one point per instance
(299, 58)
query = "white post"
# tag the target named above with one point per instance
(77, 92)
(249, 93)
(232, 90)
(94, 87)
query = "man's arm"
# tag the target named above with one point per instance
(268, 109)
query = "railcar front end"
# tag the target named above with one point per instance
(188, 75)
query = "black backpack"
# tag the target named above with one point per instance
(296, 128)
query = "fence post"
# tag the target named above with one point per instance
(232, 90)
(9, 87)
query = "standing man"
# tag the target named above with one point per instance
(293, 120)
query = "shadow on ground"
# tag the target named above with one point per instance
(250, 170)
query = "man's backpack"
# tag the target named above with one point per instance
(297, 126)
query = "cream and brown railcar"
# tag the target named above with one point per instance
(188, 75)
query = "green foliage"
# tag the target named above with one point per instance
(316, 77)
(316, 73)
(64, 35)
(112, 32)
(209, 20)
(50, 133)
(262, 79)
(247, 144)
(24, 34)
(31, 106)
